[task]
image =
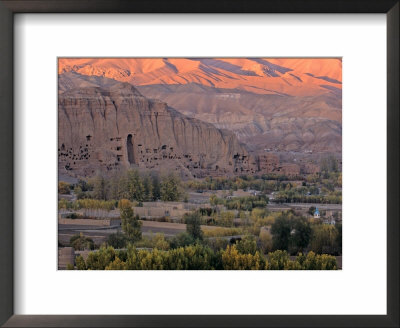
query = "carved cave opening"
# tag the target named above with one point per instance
(130, 150)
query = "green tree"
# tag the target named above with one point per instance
(280, 231)
(181, 240)
(130, 223)
(148, 188)
(193, 225)
(100, 259)
(324, 238)
(170, 188)
(117, 240)
(79, 193)
(160, 242)
(99, 188)
(83, 185)
(300, 236)
(278, 260)
(265, 239)
(80, 263)
(117, 264)
(213, 200)
(226, 219)
(319, 262)
(117, 186)
(329, 164)
(156, 186)
(135, 186)
(247, 245)
(63, 188)
(232, 259)
(80, 242)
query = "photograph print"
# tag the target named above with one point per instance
(199, 163)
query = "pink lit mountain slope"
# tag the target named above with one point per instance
(290, 76)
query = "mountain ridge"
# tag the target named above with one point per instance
(259, 75)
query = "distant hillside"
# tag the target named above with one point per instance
(261, 121)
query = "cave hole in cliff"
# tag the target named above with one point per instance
(129, 147)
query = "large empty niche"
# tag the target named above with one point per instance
(130, 150)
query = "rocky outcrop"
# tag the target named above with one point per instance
(111, 126)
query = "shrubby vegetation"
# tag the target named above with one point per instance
(181, 240)
(117, 240)
(156, 241)
(81, 243)
(221, 232)
(246, 203)
(200, 257)
(94, 204)
(297, 196)
(63, 188)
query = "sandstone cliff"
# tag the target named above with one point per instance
(282, 104)
(105, 124)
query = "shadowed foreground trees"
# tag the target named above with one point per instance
(290, 233)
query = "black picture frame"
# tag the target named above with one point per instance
(10, 7)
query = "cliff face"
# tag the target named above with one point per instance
(111, 126)
(282, 104)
